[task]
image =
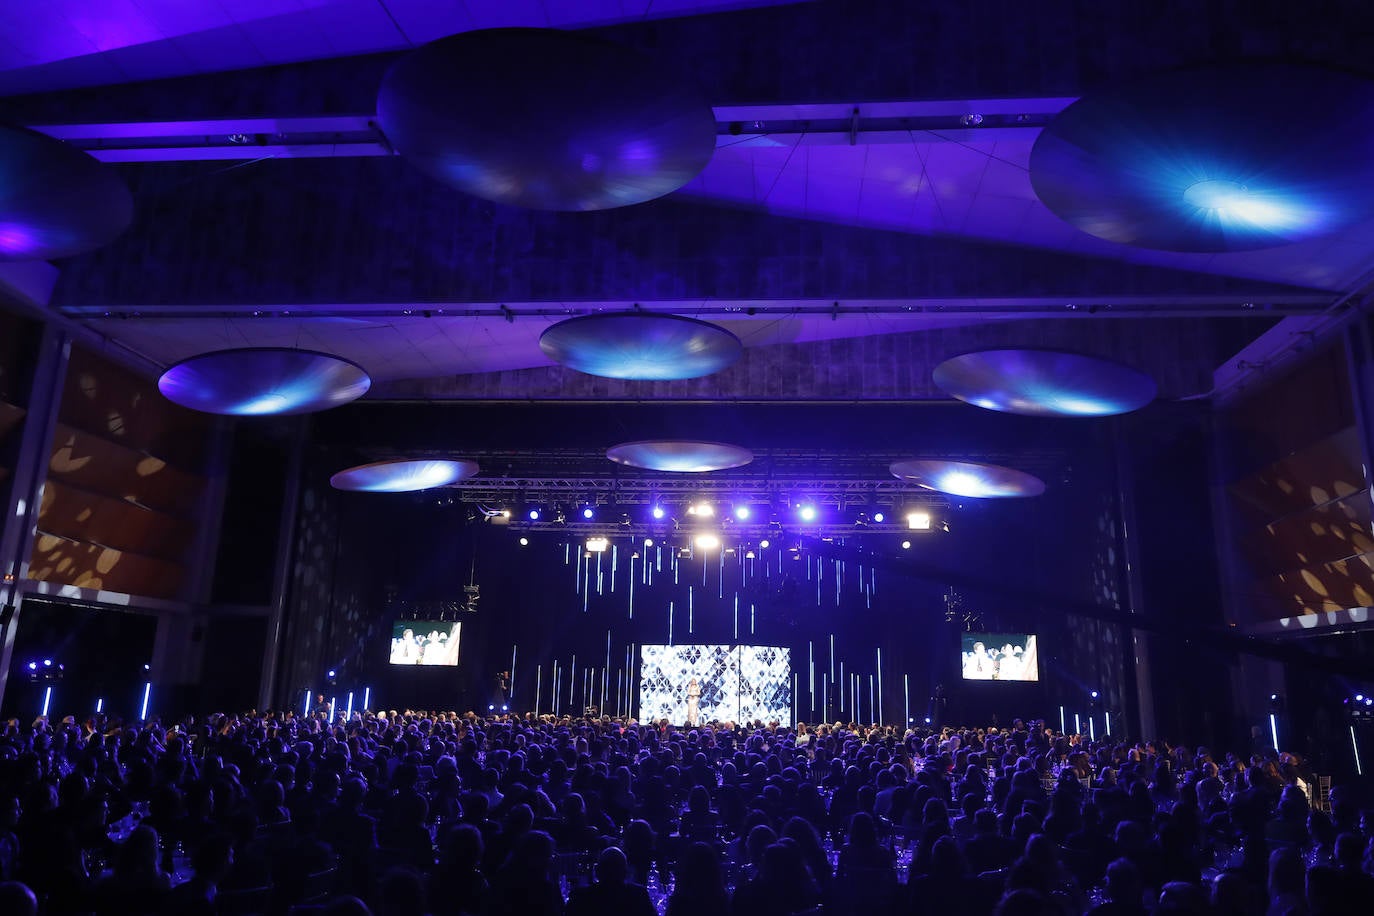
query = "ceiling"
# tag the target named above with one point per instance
(841, 203)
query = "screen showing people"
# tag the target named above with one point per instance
(1000, 657)
(425, 642)
(694, 685)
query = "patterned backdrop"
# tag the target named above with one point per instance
(738, 683)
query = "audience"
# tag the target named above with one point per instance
(416, 814)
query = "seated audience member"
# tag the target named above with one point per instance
(610, 893)
(699, 889)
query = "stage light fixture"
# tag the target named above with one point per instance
(879, 517)
(1359, 698)
(588, 512)
(597, 544)
(807, 513)
(657, 512)
(534, 515)
(702, 510)
(764, 544)
(918, 520)
(505, 513)
(906, 545)
(749, 554)
(524, 542)
(706, 542)
(741, 512)
(648, 542)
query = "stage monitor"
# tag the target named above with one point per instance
(1000, 657)
(425, 642)
(693, 685)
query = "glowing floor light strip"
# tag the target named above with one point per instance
(47, 700)
(147, 694)
(1355, 746)
(1274, 730)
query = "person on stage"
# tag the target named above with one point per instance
(693, 702)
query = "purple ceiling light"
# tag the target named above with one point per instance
(680, 455)
(1192, 160)
(967, 478)
(403, 475)
(260, 381)
(55, 201)
(545, 119)
(640, 345)
(1045, 383)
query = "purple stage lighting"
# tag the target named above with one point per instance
(534, 515)
(879, 517)
(1189, 160)
(807, 513)
(260, 381)
(403, 475)
(657, 512)
(55, 200)
(641, 346)
(1045, 383)
(588, 512)
(966, 478)
(680, 455)
(546, 119)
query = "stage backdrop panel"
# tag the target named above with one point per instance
(738, 683)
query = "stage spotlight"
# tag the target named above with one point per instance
(597, 544)
(706, 542)
(588, 512)
(1094, 694)
(702, 510)
(657, 512)
(764, 544)
(524, 542)
(47, 663)
(807, 513)
(918, 521)
(491, 707)
(33, 666)
(927, 720)
(879, 517)
(906, 545)
(332, 673)
(749, 554)
(505, 513)
(505, 708)
(1359, 697)
(534, 515)
(648, 542)
(741, 512)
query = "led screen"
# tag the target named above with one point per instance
(1000, 657)
(425, 642)
(691, 685)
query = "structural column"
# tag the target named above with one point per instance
(26, 489)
